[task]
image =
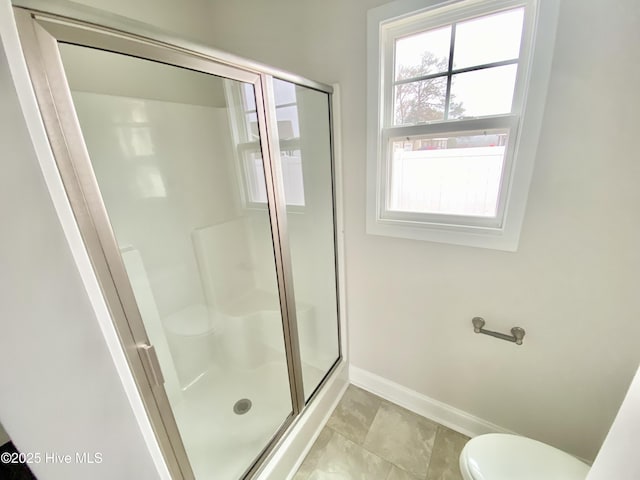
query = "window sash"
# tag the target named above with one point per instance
(428, 20)
(455, 71)
(249, 178)
(454, 127)
(441, 15)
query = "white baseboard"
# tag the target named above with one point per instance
(294, 448)
(442, 413)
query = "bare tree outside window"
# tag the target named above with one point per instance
(424, 100)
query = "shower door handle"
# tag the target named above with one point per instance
(150, 357)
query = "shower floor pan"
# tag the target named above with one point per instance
(222, 444)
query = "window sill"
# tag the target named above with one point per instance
(505, 239)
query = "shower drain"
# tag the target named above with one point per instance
(242, 406)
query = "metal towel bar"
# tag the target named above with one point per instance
(517, 333)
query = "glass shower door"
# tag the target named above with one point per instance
(199, 259)
(304, 133)
(304, 141)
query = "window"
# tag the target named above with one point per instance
(450, 148)
(245, 126)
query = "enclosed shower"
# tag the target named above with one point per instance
(203, 189)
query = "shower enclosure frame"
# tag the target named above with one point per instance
(40, 33)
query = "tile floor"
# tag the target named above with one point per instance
(369, 438)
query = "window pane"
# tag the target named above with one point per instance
(249, 98)
(488, 39)
(452, 175)
(251, 120)
(482, 92)
(288, 125)
(423, 53)
(254, 177)
(422, 101)
(284, 92)
(291, 176)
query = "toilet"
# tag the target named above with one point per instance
(499, 456)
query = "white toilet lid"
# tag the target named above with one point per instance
(498, 456)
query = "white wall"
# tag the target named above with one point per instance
(186, 17)
(571, 284)
(59, 388)
(618, 456)
(90, 70)
(177, 182)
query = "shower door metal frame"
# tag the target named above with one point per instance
(40, 33)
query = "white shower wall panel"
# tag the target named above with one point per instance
(169, 164)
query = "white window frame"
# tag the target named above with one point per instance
(390, 21)
(245, 144)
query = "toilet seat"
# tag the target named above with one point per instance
(498, 456)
